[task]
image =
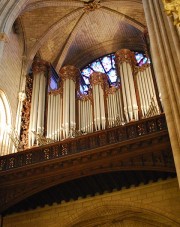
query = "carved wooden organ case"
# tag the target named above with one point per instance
(65, 111)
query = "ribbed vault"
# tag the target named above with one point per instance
(63, 32)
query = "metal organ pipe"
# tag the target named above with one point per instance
(69, 76)
(98, 82)
(127, 91)
(124, 95)
(40, 69)
(132, 91)
(98, 118)
(102, 107)
(126, 60)
(141, 96)
(146, 89)
(144, 92)
(85, 113)
(114, 106)
(120, 105)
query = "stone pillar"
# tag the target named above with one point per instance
(164, 55)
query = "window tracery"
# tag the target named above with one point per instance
(106, 64)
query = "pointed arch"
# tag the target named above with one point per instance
(5, 124)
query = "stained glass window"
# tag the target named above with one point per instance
(106, 64)
(53, 80)
(141, 58)
(97, 66)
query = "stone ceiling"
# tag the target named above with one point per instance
(73, 32)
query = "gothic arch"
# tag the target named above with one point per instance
(118, 212)
(11, 11)
(5, 123)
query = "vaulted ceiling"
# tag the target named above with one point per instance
(76, 32)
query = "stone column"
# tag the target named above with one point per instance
(164, 55)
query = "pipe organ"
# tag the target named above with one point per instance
(69, 110)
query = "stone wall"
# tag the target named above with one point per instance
(155, 204)
(10, 70)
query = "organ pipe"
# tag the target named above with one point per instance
(85, 113)
(125, 61)
(99, 83)
(147, 92)
(114, 106)
(69, 75)
(40, 70)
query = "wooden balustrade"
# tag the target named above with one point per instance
(83, 143)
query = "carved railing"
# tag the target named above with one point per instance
(91, 141)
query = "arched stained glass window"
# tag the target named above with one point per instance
(106, 64)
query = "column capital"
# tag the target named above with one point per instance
(69, 72)
(39, 65)
(4, 37)
(172, 8)
(125, 55)
(22, 96)
(98, 78)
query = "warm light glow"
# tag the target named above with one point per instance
(5, 124)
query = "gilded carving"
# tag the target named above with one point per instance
(172, 8)
(91, 6)
(26, 110)
(18, 144)
(99, 78)
(125, 55)
(69, 72)
(142, 68)
(41, 140)
(56, 92)
(39, 65)
(85, 97)
(153, 109)
(111, 90)
(3, 37)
